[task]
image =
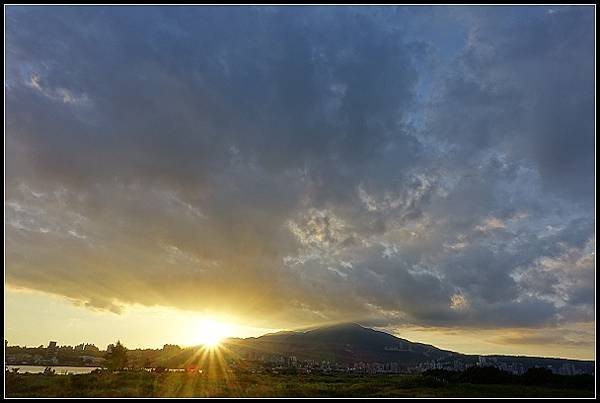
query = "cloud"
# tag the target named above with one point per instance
(298, 165)
(571, 337)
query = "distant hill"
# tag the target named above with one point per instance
(352, 343)
(344, 343)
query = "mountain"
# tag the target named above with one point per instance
(352, 343)
(344, 343)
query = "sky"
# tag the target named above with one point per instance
(427, 171)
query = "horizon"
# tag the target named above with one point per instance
(180, 175)
(225, 339)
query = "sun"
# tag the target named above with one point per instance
(210, 333)
(210, 340)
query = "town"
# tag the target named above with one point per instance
(176, 358)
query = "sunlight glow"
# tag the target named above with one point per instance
(209, 333)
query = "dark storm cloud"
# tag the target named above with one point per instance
(171, 95)
(312, 163)
(522, 85)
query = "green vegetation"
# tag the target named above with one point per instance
(116, 357)
(229, 384)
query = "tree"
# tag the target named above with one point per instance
(116, 357)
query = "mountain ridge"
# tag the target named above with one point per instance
(348, 343)
(344, 343)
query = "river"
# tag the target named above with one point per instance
(60, 370)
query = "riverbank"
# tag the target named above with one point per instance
(59, 369)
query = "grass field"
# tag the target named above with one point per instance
(145, 384)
